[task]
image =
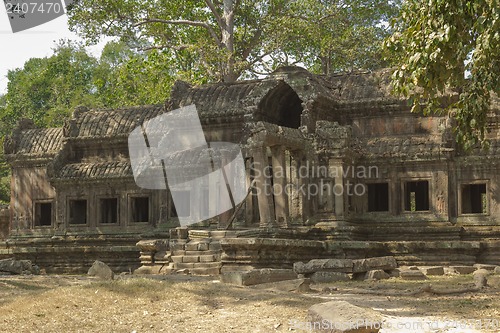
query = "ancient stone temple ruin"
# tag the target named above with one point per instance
(331, 159)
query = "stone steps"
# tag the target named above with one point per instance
(199, 256)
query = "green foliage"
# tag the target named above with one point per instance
(454, 45)
(331, 36)
(225, 40)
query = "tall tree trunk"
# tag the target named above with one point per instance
(227, 40)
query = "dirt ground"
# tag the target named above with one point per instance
(202, 304)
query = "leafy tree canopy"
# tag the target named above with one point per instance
(213, 40)
(442, 44)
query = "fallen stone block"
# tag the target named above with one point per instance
(152, 245)
(412, 275)
(376, 274)
(435, 270)
(497, 270)
(480, 277)
(485, 266)
(16, 267)
(301, 285)
(462, 270)
(327, 277)
(341, 316)
(493, 281)
(394, 272)
(257, 276)
(368, 264)
(323, 265)
(101, 270)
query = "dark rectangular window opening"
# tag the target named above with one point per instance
(43, 214)
(139, 209)
(78, 211)
(109, 210)
(417, 196)
(378, 197)
(474, 199)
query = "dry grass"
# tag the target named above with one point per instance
(188, 304)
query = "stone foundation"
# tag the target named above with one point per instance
(75, 255)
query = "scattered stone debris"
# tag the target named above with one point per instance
(326, 277)
(376, 274)
(12, 266)
(480, 277)
(257, 276)
(435, 270)
(409, 274)
(101, 270)
(341, 316)
(462, 269)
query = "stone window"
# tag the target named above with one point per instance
(43, 214)
(416, 196)
(474, 199)
(378, 197)
(139, 209)
(108, 208)
(77, 211)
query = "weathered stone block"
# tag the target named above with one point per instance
(205, 271)
(203, 246)
(342, 317)
(485, 266)
(190, 259)
(152, 245)
(258, 276)
(435, 270)
(176, 258)
(206, 264)
(463, 269)
(480, 277)
(497, 270)
(215, 246)
(13, 266)
(327, 277)
(323, 265)
(181, 265)
(101, 270)
(493, 281)
(368, 264)
(376, 274)
(412, 275)
(207, 258)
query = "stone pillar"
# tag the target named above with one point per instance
(336, 169)
(249, 208)
(279, 180)
(264, 190)
(305, 201)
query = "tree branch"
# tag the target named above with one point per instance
(218, 18)
(161, 47)
(205, 25)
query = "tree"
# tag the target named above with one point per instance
(445, 46)
(331, 36)
(45, 90)
(223, 40)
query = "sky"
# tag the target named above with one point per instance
(37, 42)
